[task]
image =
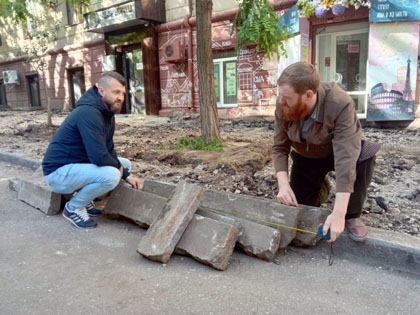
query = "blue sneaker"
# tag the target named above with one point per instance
(92, 211)
(79, 217)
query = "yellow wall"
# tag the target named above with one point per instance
(13, 37)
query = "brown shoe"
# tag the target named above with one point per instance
(356, 229)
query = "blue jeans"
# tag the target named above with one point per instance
(93, 181)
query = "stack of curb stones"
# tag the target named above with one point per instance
(185, 219)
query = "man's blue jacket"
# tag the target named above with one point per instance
(85, 136)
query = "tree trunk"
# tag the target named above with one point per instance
(208, 104)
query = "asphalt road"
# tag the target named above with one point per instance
(47, 266)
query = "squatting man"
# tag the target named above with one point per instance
(81, 159)
(319, 123)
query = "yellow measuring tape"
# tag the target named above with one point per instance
(246, 218)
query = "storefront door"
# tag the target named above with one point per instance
(341, 56)
(133, 73)
(33, 83)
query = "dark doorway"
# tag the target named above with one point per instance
(3, 99)
(33, 84)
(132, 66)
(77, 85)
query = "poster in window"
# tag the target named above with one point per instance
(231, 78)
(393, 53)
(216, 81)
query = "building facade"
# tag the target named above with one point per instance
(153, 44)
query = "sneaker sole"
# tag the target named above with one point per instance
(79, 227)
(357, 238)
(94, 215)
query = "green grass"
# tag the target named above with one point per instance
(199, 144)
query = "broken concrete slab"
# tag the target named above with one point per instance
(254, 239)
(311, 218)
(208, 241)
(259, 240)
(137, 205)
(165, 232)
(142, 208)
(39, 195)
(158, 188)
(220, 217)
(258, 210)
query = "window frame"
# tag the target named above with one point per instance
(75, 11)
(220, 62)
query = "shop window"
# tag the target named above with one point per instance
(225, 79)
(342, 56)
(77, 85)
(33, 85)
(3, 99)
(74, 13)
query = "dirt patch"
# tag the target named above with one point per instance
(244, 166)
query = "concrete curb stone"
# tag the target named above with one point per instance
(382, 248)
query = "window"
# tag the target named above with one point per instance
(1, 43)
(3, 99)
(341, 56)
(74, 14)
(29, 21)
(77, 85)
(33, 84)
(225, 79)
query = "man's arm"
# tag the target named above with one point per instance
(336, 220)
(285, 195)
(281, 150)
(346, 145)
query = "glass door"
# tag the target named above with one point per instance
(77, 85)
(133, 66)
(225, 81)
(3, 98)
(342, 57)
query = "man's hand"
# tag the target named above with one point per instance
(286, 195)
(335, 223)
(121, 171)
(336, 220)
(133, 181)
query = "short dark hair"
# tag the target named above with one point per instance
(114, 75)
(302, 76)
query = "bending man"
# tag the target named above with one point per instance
(319, 121)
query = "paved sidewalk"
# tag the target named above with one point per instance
(50, 267)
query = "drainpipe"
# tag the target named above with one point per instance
(190, 54)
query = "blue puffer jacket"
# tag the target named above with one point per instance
(85, 136)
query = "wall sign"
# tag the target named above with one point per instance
(394, 10)
(291, 19)
(393, 51)
(114, 15)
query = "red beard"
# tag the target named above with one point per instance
(297, 112)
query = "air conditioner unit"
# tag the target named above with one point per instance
(175, 52)
(10, 77)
